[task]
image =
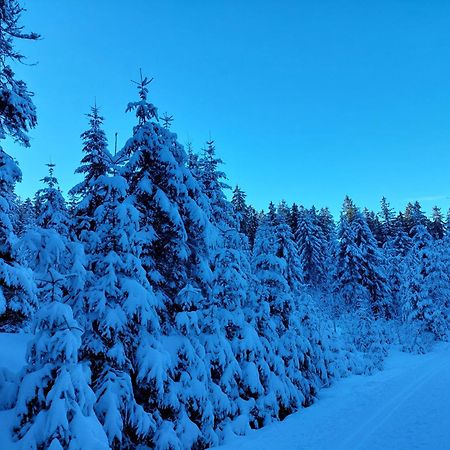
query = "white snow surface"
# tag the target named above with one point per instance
(13, 347)
(406, 406)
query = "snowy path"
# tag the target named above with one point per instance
(405, 407)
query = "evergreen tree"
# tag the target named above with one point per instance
(240, 207)
(177, 237)
(17, 111)
(415, 302)
(94, 164)
(294, 217)
(50, 204)
(437, 285)
(396, 250)
(425, 286)
(193, 161)
(375, 226)
(328, 230)
(293, 362)
(225, 327)
(57, 263)
(436, 226)
(284, 211)
(17, 116)
(253, 220)
(213, 183)
(413, 217)
(327, 224)
(248, 218)
(348, 261)
(359, 274)
(277, 395)
(372, 274)
(54, 408)
(387, 219)
(171, 204)
(26, 216)
(120, 317)
(312, 247)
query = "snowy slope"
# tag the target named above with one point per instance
(407, 406)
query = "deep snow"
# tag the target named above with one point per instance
(404, 407)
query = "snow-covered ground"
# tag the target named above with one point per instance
(404, 407)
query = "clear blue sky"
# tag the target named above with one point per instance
(307, 100)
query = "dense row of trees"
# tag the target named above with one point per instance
(167, 316)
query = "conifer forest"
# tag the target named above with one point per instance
(160, 309)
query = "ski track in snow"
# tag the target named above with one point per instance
(404, 407)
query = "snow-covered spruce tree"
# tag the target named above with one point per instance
(287, 249)
(120, 318)
(328, 228)
(228, 336)
(312, 247)
(375, 226)
(413, 217)
(414, 302)
(54, 407)
(26, 216)
(265, 375)
(327, 225)
(170, 201)
(294, 216)
(51, 209)
(175, 255)
(437, 285)
(17, 116)
(359, 276)
(193, 161)
(372, 276)
(253, 219)
(94, 164)
(57, 262)
(396, 250)
(424, 288)
(436, 226)
(284, 211)
(17, 111)
(46, 253)
(292, 361)
(246, 215)
(349, 262)
(387, 219)
(55, 403)
(308, 347)
(238, 200)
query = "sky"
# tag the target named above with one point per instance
(307, 101)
